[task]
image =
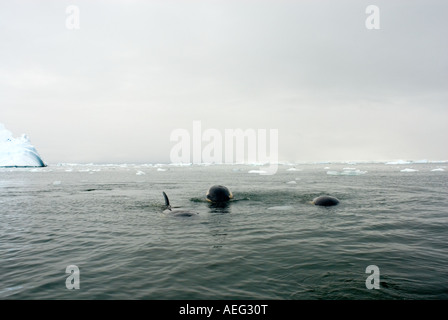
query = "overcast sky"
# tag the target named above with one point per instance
(114, 89)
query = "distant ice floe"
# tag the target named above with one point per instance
(293, 169)
(291, 182)
(280, 208)
(175, 164)
(257, 171)
(424, 161)
(161, 169)
(347, 172)
(408, 170)
(438, 169)
(398, 162)
(140, 173)
(17, 152)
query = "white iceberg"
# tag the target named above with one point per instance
(17, 152)
(438, 169)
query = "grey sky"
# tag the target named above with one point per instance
(115, 89)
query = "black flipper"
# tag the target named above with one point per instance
(167, 201)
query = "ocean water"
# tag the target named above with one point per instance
(268, 243)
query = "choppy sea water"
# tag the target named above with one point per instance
(268, 243)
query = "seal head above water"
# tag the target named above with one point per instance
(325, 201)
(218, 194)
